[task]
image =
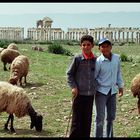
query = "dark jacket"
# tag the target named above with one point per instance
(80, 74)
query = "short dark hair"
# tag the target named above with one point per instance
(87, 37)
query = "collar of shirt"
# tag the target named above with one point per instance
(86, 56)
(104, 58)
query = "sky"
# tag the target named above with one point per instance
(70, 15)
(26, 8)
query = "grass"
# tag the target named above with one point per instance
(50, 95)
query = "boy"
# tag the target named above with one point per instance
(108, 77)
(80, 76)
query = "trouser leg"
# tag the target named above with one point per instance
(111, 113)
(100, 103)
(81, 117)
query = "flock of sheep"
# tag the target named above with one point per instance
(13, 98)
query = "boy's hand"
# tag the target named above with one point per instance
(74, 92)
(120, 93)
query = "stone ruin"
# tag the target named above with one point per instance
(44, 32)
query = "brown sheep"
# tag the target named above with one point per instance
(135, 89)
(14, 101)
(19, 69)
(12, 46)
(37, 48)
(7, 56)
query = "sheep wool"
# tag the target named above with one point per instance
(12, 46)
(19, 69)
(13, 99)
(8, 55)
(135, 85)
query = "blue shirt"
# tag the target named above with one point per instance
(108, 74)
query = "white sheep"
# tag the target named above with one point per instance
(7, 56)
(19, 69)
(12, 46)
(135, 89)
(14, 101)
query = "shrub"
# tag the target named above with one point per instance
(55, 48)
(122, 44)
(123, 57)
(4, 43)
(58, 49)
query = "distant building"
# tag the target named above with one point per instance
(44, 32)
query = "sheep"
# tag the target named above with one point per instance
(40, 49)
(37, 48)
(7, 56)
(19, 69)
(135, 89)
(14, 101)
(34, 47)
(12, 46)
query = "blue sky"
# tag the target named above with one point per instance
(70, 15)
(24, 8)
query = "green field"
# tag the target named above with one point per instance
(48, 91)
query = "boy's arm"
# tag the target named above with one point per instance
(71, 74)
(97, 68)
(120, 82)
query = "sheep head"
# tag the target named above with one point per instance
(13, 80)
(14, 76)
(36, 121)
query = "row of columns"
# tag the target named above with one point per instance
(57, 34)
(117, 35)
(76, 33)
(45, 34)
(114, 34)
(13, 33)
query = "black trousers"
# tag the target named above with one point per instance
(81, 116)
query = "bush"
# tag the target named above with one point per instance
(123, 57)
(122, 44)
(4, 43)
(55, 48)
(58, 49)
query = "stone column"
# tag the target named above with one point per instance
(99, 35)
(122, 36)
(103, 34)
(127, 37)
(119, 36)
(132, 36)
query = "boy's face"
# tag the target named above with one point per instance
(86, 46)
(105, 49)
